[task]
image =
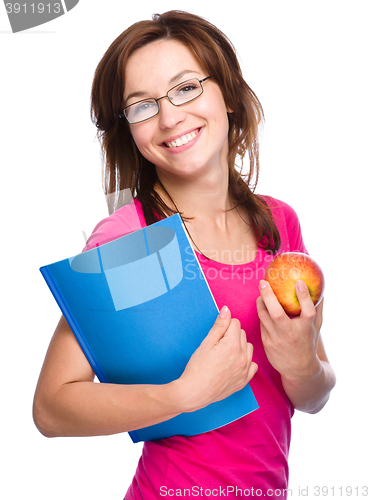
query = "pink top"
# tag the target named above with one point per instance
(248, 457)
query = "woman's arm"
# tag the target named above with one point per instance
(68, 402)
(311, 394)
(295, 348)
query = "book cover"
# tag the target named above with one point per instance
(139, 306)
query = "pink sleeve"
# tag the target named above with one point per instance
(293, 226)
(288, 225)
(125, 220)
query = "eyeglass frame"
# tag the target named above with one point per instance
(123, 114)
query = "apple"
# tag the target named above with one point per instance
(285, 270)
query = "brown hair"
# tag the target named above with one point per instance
(125, 167)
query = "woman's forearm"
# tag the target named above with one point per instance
(91, 409)
(312, 393)
(69, 403)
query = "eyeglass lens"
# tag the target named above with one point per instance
(181, 94)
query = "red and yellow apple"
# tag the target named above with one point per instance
(283, 273)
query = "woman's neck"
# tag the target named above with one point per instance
(205, 199)
(215, 230)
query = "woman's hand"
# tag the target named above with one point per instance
(295, 349)
(290, 343)
(220, 366)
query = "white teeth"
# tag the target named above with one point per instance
(182, 140)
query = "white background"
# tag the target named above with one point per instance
(308, 64)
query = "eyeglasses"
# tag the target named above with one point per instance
(180, 94)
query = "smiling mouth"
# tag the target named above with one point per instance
(181, 141)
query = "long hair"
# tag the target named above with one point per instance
(124, 165)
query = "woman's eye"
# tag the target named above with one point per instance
(186, 88)
(143, 106)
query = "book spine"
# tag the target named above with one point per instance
(45, 271)
(197, 261)
(135, 438)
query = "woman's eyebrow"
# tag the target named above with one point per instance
(172, 81)
(180, 75)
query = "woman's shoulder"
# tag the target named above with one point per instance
(125, 220)
(287, 222)
(277, 206)
(281, 211)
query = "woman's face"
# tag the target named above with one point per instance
(151, 71)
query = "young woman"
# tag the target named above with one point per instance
(174, 114)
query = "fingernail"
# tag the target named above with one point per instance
(263, 284)
(223, 312)
(301, 285)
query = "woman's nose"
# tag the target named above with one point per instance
(170, 115)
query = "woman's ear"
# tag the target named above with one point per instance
(229, 110)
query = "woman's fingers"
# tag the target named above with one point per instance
(219, 327)
(308, 310)
(221, 365)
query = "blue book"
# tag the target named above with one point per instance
(139, 306)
